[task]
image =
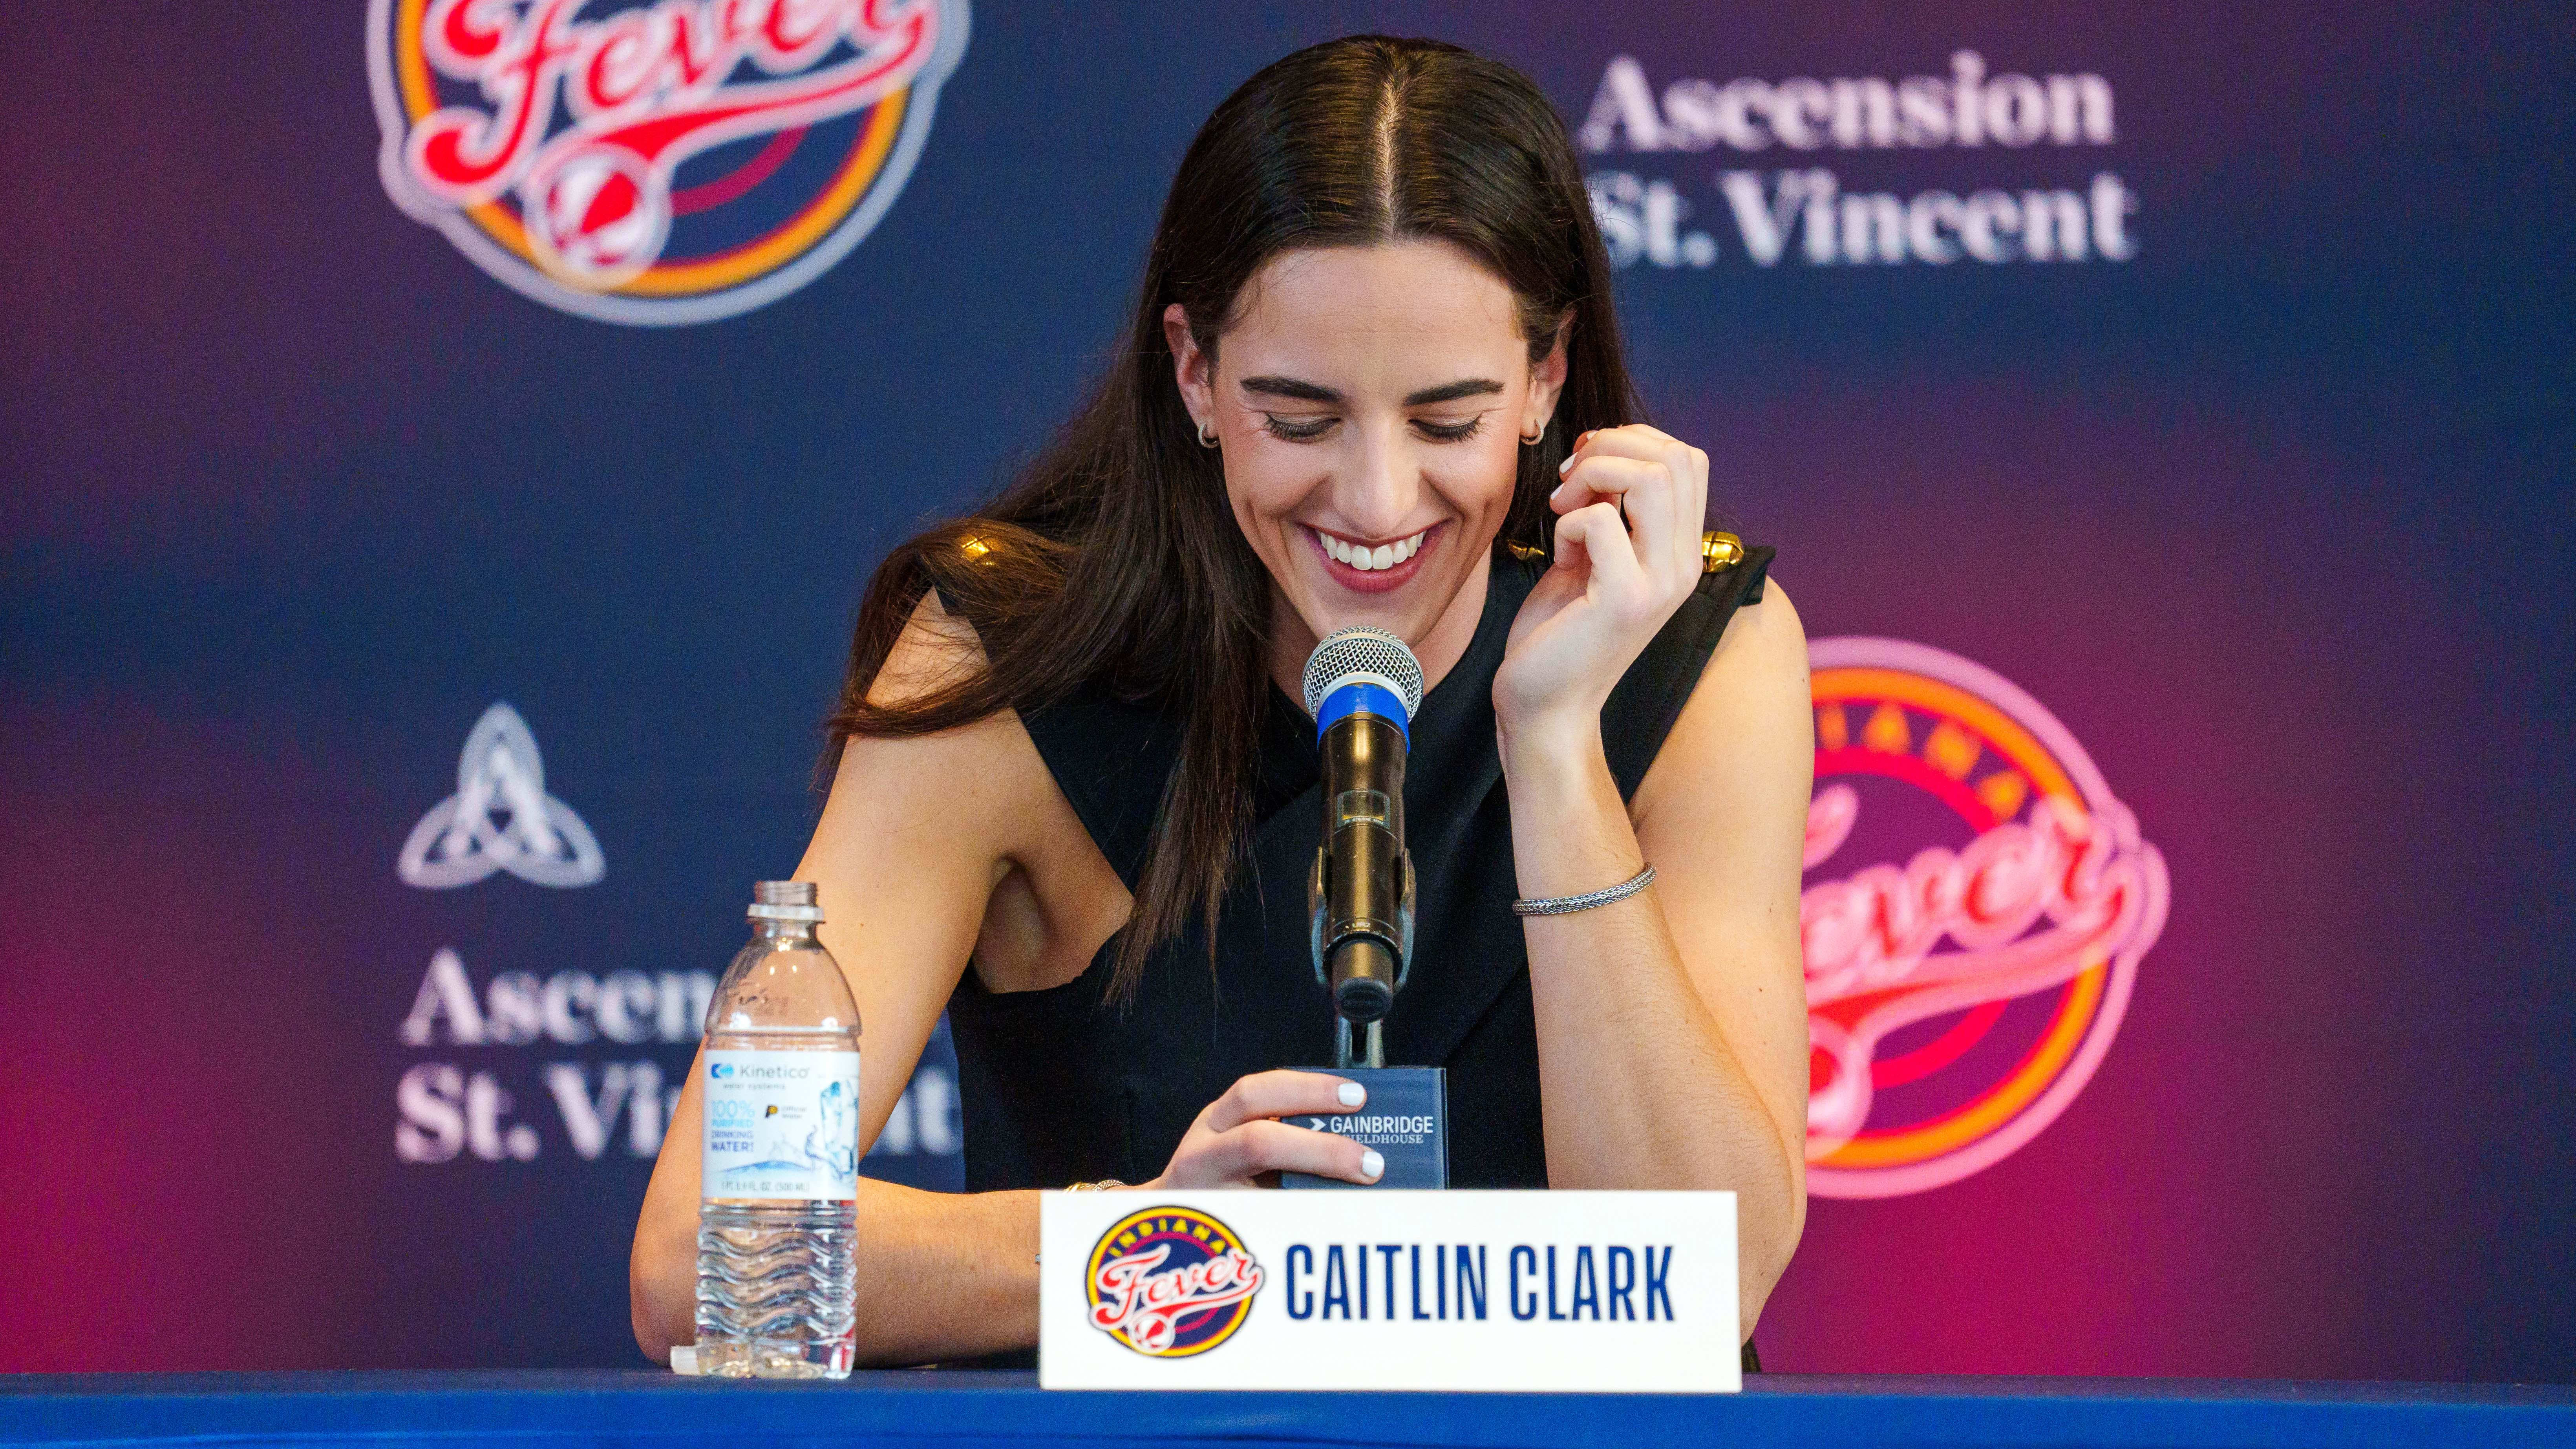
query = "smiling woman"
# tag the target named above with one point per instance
(1372, 377)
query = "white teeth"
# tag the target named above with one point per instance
(1370, 560)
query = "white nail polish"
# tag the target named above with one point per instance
(1372, 1164)
(1561, 467)
(1352, 1094)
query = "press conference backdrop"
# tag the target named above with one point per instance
(446, 445)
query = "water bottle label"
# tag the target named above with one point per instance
(781, 1124)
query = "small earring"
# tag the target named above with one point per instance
(1207, 438)
(1534, 434)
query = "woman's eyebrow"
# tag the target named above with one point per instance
(1291, 387)
(1304, 391)
(1452, 391)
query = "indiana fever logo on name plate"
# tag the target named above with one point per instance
(1975, 909)
(657, 163)
(1170, 1282)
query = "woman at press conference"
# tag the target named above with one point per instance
(1373, 377)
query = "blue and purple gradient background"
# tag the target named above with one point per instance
(2276, 517)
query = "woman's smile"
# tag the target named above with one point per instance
(1368, 567)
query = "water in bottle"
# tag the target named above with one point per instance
(777, 1216)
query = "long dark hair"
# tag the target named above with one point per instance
(1114, 560)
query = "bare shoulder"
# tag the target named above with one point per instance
(1766, 640)
(936, 649)
(968, 787)
(963, 834)
(1745, 741)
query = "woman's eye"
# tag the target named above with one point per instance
(1293, 431)
(1451, 432)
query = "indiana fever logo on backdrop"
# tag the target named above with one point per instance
(1170, 1282)
(655, 163)
(1975, 909)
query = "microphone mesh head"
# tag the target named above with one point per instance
(1362, 650)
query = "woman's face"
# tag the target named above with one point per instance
(1370, 403)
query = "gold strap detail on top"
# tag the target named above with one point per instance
(1716, 551)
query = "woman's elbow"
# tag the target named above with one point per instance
(653, 1319)
(1768, 1245)
(662, 1286)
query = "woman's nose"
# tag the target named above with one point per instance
(1378, 493)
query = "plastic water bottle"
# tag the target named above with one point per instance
(779, 1175)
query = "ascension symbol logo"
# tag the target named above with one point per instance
(1965, 980)
(533, 835)
(659, 163)
(1170, 1282)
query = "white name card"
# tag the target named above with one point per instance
(1580, 1292)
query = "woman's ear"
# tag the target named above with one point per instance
(1190, 368)
(1547, 377)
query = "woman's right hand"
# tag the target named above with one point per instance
(1240, 1138)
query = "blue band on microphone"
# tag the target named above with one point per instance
(1360, 697)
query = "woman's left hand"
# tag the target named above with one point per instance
(1615, 580)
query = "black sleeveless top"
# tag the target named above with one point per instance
(1061, 1086)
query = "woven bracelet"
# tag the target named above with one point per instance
(1568, 905)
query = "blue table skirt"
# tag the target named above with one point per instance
(995, 1410)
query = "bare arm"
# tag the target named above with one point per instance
(913, 838)
(1672, 1026)
(914, 841)
(1672, 1029)
(940, 1275)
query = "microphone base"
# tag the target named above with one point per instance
(1406, 1120)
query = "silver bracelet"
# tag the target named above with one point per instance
(1567, 905)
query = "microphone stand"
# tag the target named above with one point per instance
(1345, 1058)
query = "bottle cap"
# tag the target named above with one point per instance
(784, 900)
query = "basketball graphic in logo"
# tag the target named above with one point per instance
(1976, 904)
(1170, 1282)
(655, 163)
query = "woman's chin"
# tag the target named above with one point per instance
(1408, 611)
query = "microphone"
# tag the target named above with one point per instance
(1363, 687)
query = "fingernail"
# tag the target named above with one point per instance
(1568, 463)
(1351, 1094)
(1372, 1164)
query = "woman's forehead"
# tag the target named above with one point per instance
(1383, 313)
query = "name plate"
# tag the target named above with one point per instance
(1561, 1292)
